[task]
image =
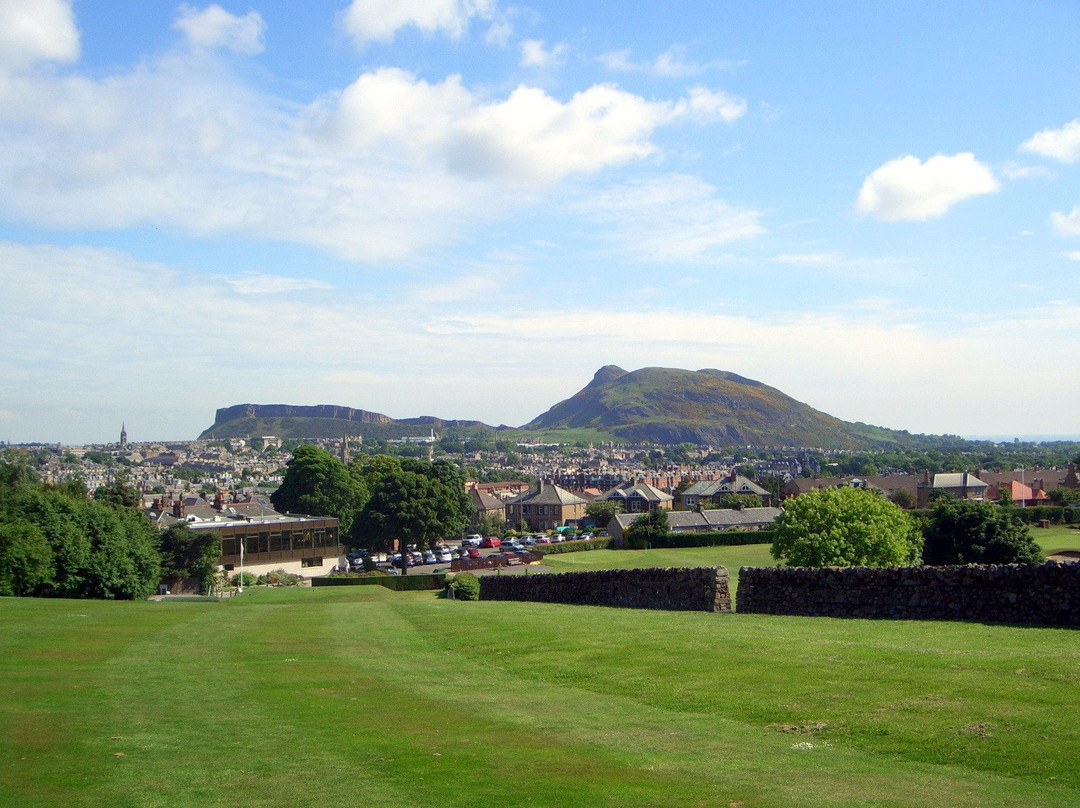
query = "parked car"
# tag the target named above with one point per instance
(429, 557)
(491, 541)
(445, 556)
(472, 540)
(543, 540)
(528, 541)
(474, 552)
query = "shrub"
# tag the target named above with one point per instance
(845, 527)
(465, 586)
(572, 546)
(963, 532)
(248, 580)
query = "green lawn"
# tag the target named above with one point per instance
(1056, 537)
(366, 697)
(731, 558)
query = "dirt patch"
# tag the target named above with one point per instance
(802, 729)
(1064, 556)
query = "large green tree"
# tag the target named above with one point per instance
(412, 501)
(965, 532)
(844, 527)
(317, 483)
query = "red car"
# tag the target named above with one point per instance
(491, 541)
(474, 552)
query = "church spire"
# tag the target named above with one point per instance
(123, 433)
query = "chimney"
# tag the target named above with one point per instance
(178, 508)
(219, 501)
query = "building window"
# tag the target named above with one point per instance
(314, 561)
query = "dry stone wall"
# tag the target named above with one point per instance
(1037, 594)
(681, 589)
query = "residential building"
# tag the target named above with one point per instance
(703, 521)
(710, 493)
(546, 508)
(637, 497)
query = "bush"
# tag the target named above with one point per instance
(465, 586)
(727, 538)
(248, 580)
(280, 578)
(572, 546)
(963, 532)
(845, 527)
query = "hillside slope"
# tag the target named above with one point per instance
(707, 406)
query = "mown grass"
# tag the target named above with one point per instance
(362, 696)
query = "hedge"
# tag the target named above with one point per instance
(572, 546)
(727, 538)
(399, 583)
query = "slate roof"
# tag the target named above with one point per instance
(640, 490)
(548, 494)
(735, 484)
(711, 519)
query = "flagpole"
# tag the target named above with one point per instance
(240, 582)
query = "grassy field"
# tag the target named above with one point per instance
(366, 697)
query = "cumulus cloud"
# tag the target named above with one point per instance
(710, 105)
(1061, 144)
(214, 27)
(389, 166)
(668, 218)
(37, 30)
(380, 20)
(908, 189)
(1067, 224)
(1073, 256)
(534, 54)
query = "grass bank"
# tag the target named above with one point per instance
(362, 696)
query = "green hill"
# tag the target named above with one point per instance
(655, 405)
(715, 407)
(322, 421)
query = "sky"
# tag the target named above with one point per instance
(464, 208)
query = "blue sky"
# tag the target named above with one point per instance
(463, 208)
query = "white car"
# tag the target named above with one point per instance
(472, 540)
(444, 556)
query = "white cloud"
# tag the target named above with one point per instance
(709, 105)
(383, 169)
(534, 54)
(258, 284)
(1073, 256)
(672, 63)
(122, 315)
(1061, 144)
(669, 218)
(214, 27)
(810, 259)
(908, 189)
(1067, 224)
(37, 30)
(7, 415)
(380, 20)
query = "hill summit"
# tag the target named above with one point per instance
(708, 406)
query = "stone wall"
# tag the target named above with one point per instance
(1038, 594)
(681, 589)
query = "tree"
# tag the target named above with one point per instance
(187, 553)
(26, 560)
(965, 532)
(602, 511)
(317, 483)
(844, 527)
(645, 530)
(412, 501)
(904, 498)
(117, 494)
(740, 501)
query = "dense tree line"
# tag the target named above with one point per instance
(55, 542)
